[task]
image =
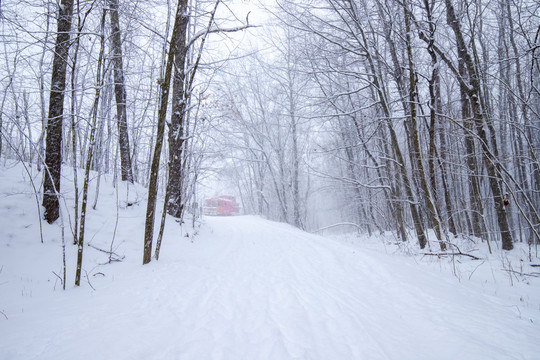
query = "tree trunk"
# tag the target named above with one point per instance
(379, 88)
(90, 152)
(162, 113)
(74, 127)
(435, 108)
(432, 210)
(179, 101)
(1, 134)
(489, 155)
(42, 103)
(398, 77)
(520, 151)
(53, 146)
(477, 209)
(120, 93)
(295, 161)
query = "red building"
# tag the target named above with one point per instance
(221, 205)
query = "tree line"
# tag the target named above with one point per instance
(84, 58)
(415, 117)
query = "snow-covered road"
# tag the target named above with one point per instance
(247, 288)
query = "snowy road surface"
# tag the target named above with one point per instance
(247, 288)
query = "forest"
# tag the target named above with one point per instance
(417, 118)
(270, 179)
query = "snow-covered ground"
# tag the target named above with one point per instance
(247, 288)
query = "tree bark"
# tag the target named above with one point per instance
(179, 104)
(53, 145)
(120, 93)
(295, 160)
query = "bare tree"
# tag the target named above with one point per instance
(178, 113)
(120, 93)
(154, 171)
(489, 146)
(100, 74)
(53, 149)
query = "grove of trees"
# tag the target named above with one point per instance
(420, 118)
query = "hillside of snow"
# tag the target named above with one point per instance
(246, 288)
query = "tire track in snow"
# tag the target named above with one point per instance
(325, 300)
(294, 288)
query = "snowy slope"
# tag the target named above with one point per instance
(242, 288)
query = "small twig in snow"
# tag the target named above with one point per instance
(470, 276)
(59, 277)
(88, 280)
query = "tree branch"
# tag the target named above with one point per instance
(204, 33)
(452, 254)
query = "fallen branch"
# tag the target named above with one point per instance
(1, 312)
(453, 254)
(110, 253)
(522, 274)
(338, 224)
